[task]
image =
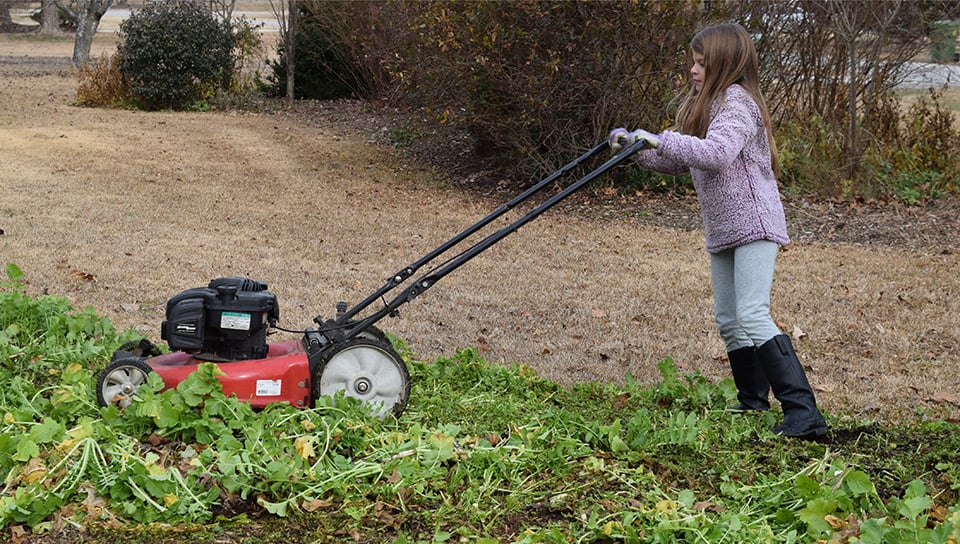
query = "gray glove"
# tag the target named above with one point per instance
(619, 138)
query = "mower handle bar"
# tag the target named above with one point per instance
(331, 329)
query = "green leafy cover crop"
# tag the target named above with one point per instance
(483, 453)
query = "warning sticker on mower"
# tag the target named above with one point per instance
(235, 321)
(268, 388)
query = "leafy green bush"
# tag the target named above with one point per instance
(39, 336)
(175, 55)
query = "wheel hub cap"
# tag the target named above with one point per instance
(362, 386)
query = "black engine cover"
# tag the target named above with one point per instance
(225, 321)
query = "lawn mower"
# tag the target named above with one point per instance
(227, 322)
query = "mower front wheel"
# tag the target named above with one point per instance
(366, 369)
(120, 380)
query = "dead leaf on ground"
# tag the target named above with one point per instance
(85, 276)
(315, 504)
(621, 401)
(702, 506)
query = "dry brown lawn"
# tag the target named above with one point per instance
(119, 210)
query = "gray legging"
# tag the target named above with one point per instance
(742, 278)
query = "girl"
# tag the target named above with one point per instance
(724, 138)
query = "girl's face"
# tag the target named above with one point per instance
(698, 71)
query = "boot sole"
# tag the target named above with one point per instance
(815, 432)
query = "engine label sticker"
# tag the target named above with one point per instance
(268, 388)
(236, 321)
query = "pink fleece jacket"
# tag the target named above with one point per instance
(731, 171)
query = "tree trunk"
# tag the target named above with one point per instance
(290, 46)
(6, 20)
(89, 13)
(49, 17)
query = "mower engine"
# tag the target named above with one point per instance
(225, 321)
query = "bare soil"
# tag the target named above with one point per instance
(119, 210)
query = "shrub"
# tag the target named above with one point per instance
(175, 55)
(909, 155)
(811, 152)
(327, 57)
(535, 83)
(100, 83)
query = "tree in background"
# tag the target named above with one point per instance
(87, 14)
(536, 82)
(285, 11)
(320, 43)
(49, 17)
(6, 19)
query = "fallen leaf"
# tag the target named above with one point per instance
(798, 332)
(34, 471)
(702, 506)
(834, 522)
(83, 275)
(315, 504)
(304, 446)
(940, 513)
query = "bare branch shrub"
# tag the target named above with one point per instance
(831, 69)
(535, 81)
(331, 60)
(101, 84)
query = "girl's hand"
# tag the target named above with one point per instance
(652, 140)
(619, 137)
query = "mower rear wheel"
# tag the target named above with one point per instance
(366, 369)
(372, 332)
(121, 380)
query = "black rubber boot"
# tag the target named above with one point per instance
(753, 390)
(801, 418)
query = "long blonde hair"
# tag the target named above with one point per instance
(729, 57)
